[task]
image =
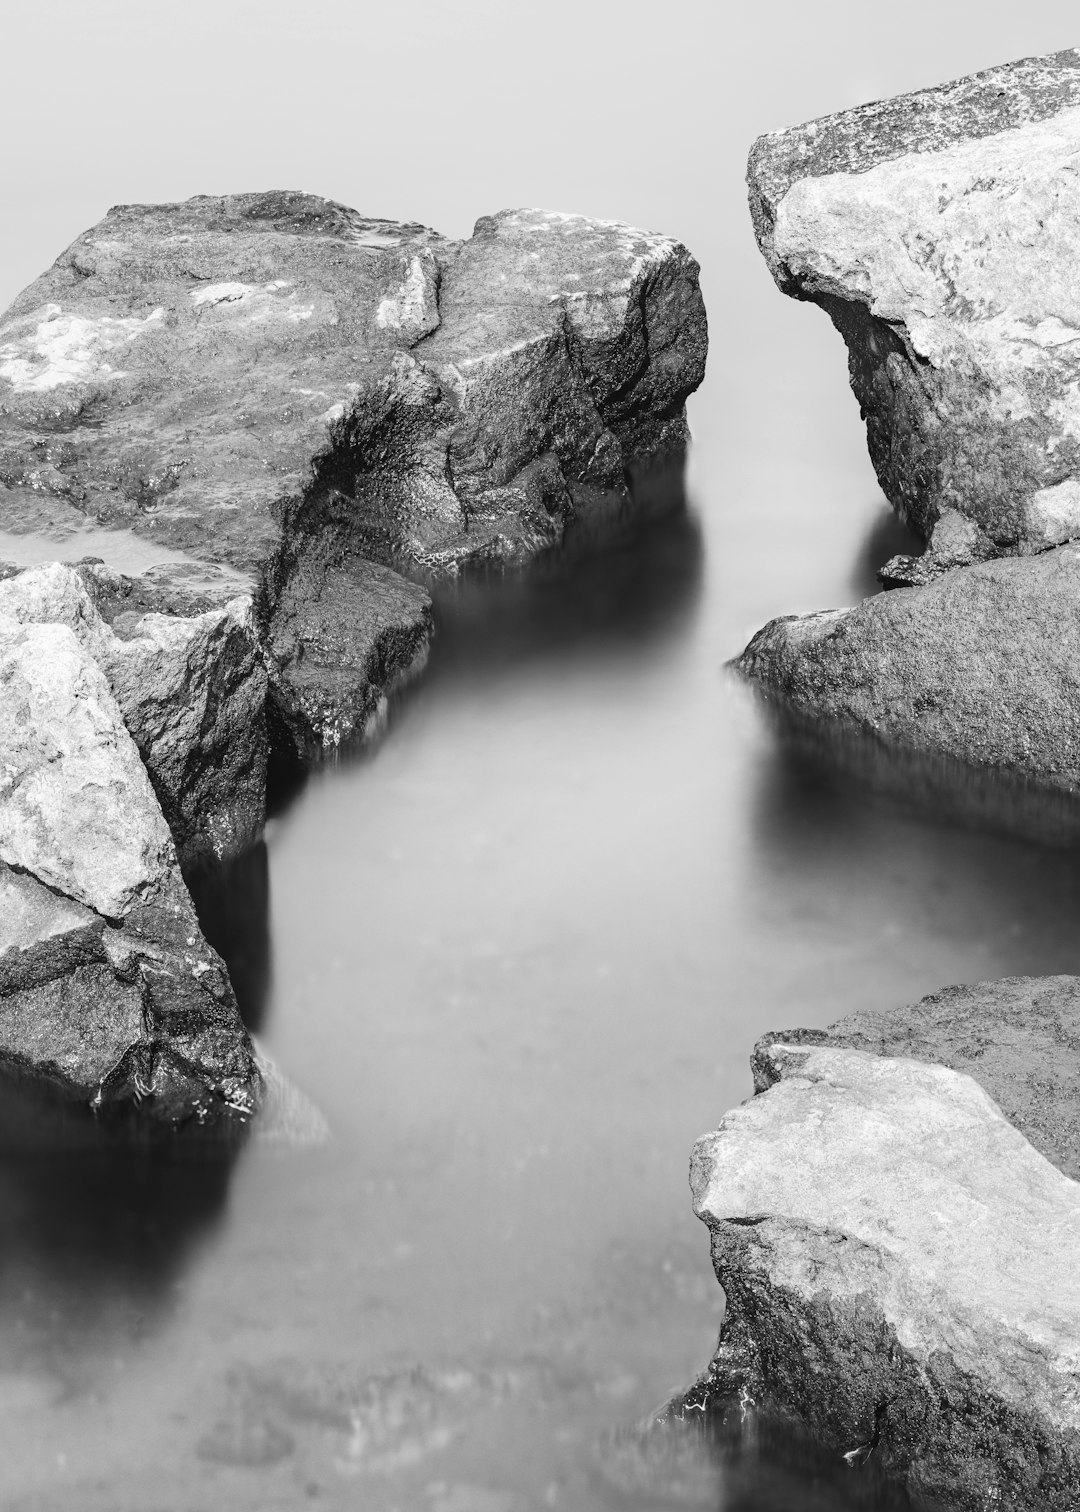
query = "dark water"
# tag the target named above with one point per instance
(517, 955)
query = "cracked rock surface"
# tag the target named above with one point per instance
(192, 692)
(218, 374)
(272, 391)
(940, 231)
(107, 987)
(899, 1267)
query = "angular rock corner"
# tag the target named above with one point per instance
(298, 416)
(895, 1225)
(940, 232)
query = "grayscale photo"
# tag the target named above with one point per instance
(540, 757)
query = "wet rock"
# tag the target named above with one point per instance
(982, 664)
(940, 231)
(899, 1268)
(192, 691)
(342, 640)
(107, 987)
(1019, 1037)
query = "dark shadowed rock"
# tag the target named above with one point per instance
(940, 231)
(982, 664)
(106, 984)
(899, 1268)
(340, 644)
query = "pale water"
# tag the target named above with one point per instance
(517, 955)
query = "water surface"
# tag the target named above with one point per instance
(517, 955)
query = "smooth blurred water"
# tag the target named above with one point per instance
(519, 953)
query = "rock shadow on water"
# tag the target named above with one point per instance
(232, 902)
(824, 772)
(99, 1218)
(627, 577)
(888, 537)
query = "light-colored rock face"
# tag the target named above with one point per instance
(30, 912)
(1019, 1037)
(191, 690)
(76, 807)
(941, 232)
(982, 664)
(107, 987)
(182, 367)
(899, 1264)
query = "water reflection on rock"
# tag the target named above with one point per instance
(842, 766)
(622, 581)
(721, 1456)
(232, 902)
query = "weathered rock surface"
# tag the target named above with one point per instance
(1019, 1037)
(192, 691)
(267, 385)
(210, 372)
(941, 231)
(106, 984)
(899, 1267)
(982, 664)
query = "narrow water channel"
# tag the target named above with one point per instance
(516, 955)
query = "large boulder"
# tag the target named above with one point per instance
(107, 987)
(1019, 1037)
(899, 1267)
(982, 664)
(228, 372)
(192, 691)
(267, 386)
(941, 232)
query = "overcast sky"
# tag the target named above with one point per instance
(443, 110)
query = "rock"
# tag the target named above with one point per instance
(940, 231)
(982, 664)
(107, 987)
(341, 642)
(899, 1268)
(227, 374)
(237, 385)
(192, 691)
(1018, 1037)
